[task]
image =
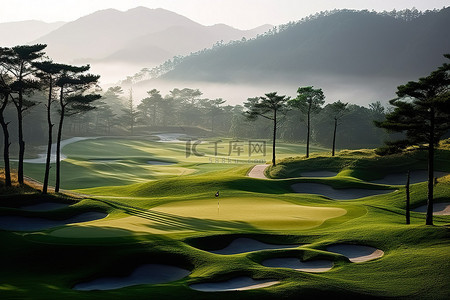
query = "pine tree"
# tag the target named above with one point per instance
(422, 112)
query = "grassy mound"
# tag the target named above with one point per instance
(363, 164)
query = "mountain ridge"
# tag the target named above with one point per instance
(345, 42)
(116, 35)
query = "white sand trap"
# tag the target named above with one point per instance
(243, 245)
(316, 266)
(145, 274)
(356, 253)
(415, 177)
(235, 284)
(41, 159)
(159, 163)
(339, 194)
(18, 223)
(439, 209)
(258, 172)
(170, 137)
(319, 174)
(45, 206)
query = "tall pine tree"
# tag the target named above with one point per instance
(422, 112)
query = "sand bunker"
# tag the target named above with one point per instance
(159, 163)
(45, 206)
(439, 209)
(145, 274)
(235, 284)
(18, 223)
(339, 194)
(415, 177)
(170, 137)
(258, 172)
(319, 174)
(356, 253)
(243, 245)
(316, 266)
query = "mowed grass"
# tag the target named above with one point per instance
(114, 161)
(175, 219)
(209, 215)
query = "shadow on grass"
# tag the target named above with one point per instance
(170, 222)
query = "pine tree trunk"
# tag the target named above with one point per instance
(21, 146)
(49, 142)
(407, 200)
(274, 137)
(58, 143)
(309, 131)
(334, 137)
(429, 217)
(19, 107)
(6, 143)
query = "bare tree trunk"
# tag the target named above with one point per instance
(334, 137)
(21, 141)
(6, 143)
(429, 217)
(407, 200)
(274, 137)
(309, 131)
(58, 143)
(49, 142)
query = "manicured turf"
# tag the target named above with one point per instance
(119, 161)
(251, 214)
(174, 220)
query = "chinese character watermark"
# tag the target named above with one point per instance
(224, 152)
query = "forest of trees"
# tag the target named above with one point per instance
(117, 112)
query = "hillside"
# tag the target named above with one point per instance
(357, 44)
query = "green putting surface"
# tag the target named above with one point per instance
(208, 215)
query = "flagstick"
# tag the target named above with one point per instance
(218, 205)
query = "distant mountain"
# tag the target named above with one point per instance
(345, 43)
(19, 33)
(157, 47)
(139, 35)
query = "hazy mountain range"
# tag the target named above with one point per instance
(139, 35)
(19, 33)
(356, 56)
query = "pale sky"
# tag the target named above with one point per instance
(242, 14)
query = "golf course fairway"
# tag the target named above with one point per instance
(227, 235)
